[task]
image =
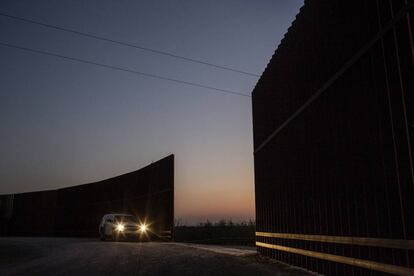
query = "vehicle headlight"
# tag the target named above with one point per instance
(120, 227)
(143, 227)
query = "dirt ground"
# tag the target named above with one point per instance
(70, 256)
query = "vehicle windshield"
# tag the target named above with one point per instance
(125, 219)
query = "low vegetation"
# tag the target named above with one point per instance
(220, 232)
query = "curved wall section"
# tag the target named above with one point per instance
(147, 193)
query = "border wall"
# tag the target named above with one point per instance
(333, 122)
(147, 193)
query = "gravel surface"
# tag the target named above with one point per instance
(70, 256)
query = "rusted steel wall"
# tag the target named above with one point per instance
(333, 121)
(76, 211)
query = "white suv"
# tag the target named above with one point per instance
(118, 226)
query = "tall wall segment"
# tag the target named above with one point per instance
(333, 122)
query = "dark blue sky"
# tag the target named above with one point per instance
(63, 123)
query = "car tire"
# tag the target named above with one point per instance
(101, 234)
(114, 236)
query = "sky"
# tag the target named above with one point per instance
(64, 123)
